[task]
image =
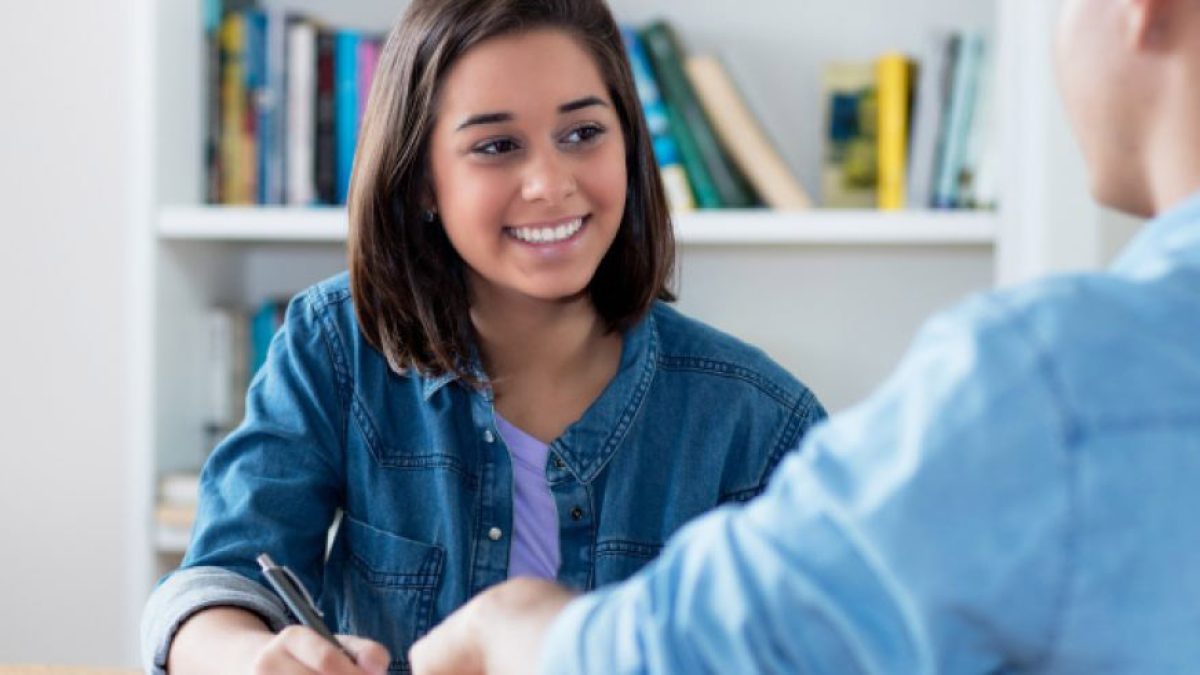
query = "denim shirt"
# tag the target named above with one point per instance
(422, 480)
(1022, 496)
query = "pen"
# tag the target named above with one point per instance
(298, 600)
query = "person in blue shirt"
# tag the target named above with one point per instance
(497, 388)
(1020, 496)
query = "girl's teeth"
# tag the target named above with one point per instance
(548, 234)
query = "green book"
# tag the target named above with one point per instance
(714, 179)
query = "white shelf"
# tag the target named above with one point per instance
(837, 228)
(717, 228)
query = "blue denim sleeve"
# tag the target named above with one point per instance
(925, 530)
(272, 486)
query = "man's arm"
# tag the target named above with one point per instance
(924, 530)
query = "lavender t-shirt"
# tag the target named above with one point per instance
(534, 551)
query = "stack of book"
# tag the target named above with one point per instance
(286, 96)
(711, 150)
(285, 99)
(899, 133)
(238, 340)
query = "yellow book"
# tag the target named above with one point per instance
(236, 144)
(894, 73)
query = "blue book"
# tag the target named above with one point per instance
(658, 123)
(263, 325)
(272, 109)
(346, 104)
(212, 15)
(957, 123)
(647, 87)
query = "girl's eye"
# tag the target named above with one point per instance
(500, 146)
(584, 134)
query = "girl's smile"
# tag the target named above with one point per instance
(555, 232)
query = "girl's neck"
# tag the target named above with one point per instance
(552, 341)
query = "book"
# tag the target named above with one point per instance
(346, 101)
(368, 60)
(849, 167)
(180, 488)
(227, 367)
(175, 516)
(325, 157)
(266, 321)
(957, 122)
(894, 77)
(934, 79)
(977, 175)
(716, 183)
(666, 152)
(674, 177)
(273, 108)
(258, 106)
(212, 101)
(301, 129)
(236, 151)
(743, 137)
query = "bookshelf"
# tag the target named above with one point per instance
(699, 228)
(833, 295)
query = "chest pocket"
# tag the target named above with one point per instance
(618, 560)
(391, 584)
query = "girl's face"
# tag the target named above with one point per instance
(528, 165)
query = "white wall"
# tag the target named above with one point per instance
(65, 198)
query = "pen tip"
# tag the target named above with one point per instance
(265, 561)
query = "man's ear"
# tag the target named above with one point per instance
(1147, 23)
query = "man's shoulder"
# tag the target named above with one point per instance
(1103, 344)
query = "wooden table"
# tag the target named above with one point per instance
(61, 670)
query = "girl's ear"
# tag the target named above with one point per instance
(426, 197)
(427, 201)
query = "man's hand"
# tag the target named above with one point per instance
(500, 632)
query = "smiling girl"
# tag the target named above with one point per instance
(497, 387)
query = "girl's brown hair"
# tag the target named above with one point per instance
(409, 284)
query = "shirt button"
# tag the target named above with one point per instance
(576, 513)
(558, 463)
(494, 534)
(488, 436)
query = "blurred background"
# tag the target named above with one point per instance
(170, 171)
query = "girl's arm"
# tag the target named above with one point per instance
(273, 486)
(227, 639)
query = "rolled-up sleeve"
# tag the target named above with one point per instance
(274, 486)
(189, 591)
(925, 530)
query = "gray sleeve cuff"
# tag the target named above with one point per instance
(190, 590)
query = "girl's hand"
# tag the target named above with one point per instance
(301, 651)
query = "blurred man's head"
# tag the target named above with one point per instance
(1129, 71)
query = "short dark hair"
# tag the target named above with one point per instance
(409, 284)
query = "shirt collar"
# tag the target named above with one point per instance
(639, 353)
(432, 384)
(588, 444)
(1174, 234)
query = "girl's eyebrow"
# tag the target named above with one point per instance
(585, 102)
(498, 117)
